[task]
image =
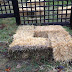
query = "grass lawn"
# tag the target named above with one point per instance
(7, 29)
(68, 29)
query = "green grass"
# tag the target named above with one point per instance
(68, 29)
(9, 28)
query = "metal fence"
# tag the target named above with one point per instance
(6, 9)
(37, 12)
(9, 8)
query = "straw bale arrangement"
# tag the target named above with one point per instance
(27, 11)
(52, 41)
(33, 8)
(65, 13)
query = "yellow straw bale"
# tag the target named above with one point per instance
(49, 28)
(49, 31)
(39, 10)
(59, 39)
(60, 11)
(24, 36)
(55, 37)
(24, 31)
(29, 41)
(63, 51)
(36, 2)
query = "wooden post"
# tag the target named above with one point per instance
(16, 11)
(71, 19)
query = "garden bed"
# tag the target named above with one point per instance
(35, 38)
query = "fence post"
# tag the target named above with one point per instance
(16, 11)
(71, 19)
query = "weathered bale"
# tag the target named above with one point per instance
(43, 31)
(35, 6)
(25, 36)
(31, 52)
(65, 12)
(37, 3)
(60, 40)
(24, 31)
(35, 0)
(42, 38)
(39, 11)
(30, 41)
(42, 54)
(63, 51)
(26, 11)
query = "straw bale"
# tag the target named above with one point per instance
(49, 28)
(35, 0)
(27, 10)
(44, 31)
(25, 36)
(36, 3)
(24, 31)
(60, 41)
(63, 51)
(44, 37)
(29, 41)
(31, 9)
(39, 10)
(60, 11)
(34, 6)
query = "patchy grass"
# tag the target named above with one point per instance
(68, 29)
(7, 29)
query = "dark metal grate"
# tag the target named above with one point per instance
(6, 9)
(43, 12)
(37, 12)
